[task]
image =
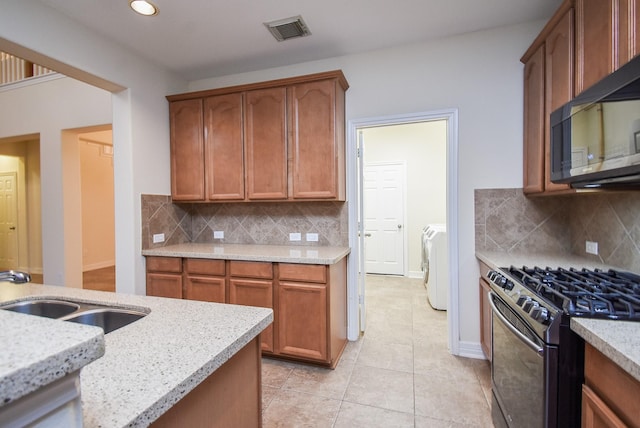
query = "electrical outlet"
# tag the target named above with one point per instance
(592, 248)
(158, 237)
(218, 234)
(312, 237)
(296, 236)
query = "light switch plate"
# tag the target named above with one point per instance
(158, 237)
(295, 236)
(312, 237)
(218, 234)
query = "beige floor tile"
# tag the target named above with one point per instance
(297, 410)
(275, 373)
(386, 355)
(320, 381)
(426, 422)
(353, 415)
(457, 401)
(268, 393)
(387, 389)
(351, 351)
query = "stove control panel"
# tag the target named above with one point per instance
(500, 280)
(521, 297)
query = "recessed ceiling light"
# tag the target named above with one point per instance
(143, 7)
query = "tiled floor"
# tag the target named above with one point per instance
(399, 374)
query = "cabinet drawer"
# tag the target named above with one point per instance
(204, 267)
(306, 273)
(251, 269)
(164, 264)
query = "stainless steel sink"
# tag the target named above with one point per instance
(109, 319)
(44, 308)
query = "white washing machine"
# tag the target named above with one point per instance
(435, 265)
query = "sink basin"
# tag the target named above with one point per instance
(109, 319)
(44, 308)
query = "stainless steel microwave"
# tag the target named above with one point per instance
(595, 138)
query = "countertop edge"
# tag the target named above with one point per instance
(260, 253)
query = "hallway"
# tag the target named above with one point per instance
(398, 374)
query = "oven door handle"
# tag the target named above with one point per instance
(531, 344)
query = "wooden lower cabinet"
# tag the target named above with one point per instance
(309, 301)
(205, 280)
(164, 277)
(251, 284)
(230, 397)
(609, 394)
(302, 317)
(486, 323)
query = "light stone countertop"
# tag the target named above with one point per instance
(37, 351)
(618, 340)
(153, 362)
(318, 255)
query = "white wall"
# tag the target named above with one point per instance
(423, 148)
(140, 117)
(479, 74)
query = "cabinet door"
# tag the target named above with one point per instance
(596, 413)
(207, 289)
(317, 140)
(486, 329)
(254, 292)
(558, 83)
(596, 41)
(164, 285)
(628, 23)
(534, 118)
(265, 135)
(302, 320)
(224, 147)
(187, 150)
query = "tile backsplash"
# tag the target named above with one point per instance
(506, 220)
(243, 223)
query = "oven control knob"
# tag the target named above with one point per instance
(508, 285)
(529, 305)
(497, 278)
(540, 314)
(522, 300)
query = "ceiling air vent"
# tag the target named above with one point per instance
(288, 28)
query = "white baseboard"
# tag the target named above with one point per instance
(471, 350)
(415, 274)
(99, 265)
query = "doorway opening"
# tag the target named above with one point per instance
(20, 213)
(442, 192)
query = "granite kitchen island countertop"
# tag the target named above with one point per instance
(262, 253)
(152, 363)
(618, 340)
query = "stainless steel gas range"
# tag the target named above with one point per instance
(538, 362)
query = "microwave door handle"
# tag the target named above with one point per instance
(534, 346)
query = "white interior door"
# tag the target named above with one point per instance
(361, 234)
(384, 217)
(8, 221)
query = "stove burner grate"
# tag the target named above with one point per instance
(585, 293)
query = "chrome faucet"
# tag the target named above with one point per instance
(14, 276)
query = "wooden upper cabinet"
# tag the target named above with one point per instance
(596, 41)
(317, 140)
(534, 123)
(548, 84)
(278, 140)
(559, 74)
(629, 36)
(187, 150)
(266, 143)
(224, 147)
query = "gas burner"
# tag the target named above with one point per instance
(584, 293)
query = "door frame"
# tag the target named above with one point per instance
(353, 296)
(405, 247)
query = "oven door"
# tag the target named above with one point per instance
(523, 372)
